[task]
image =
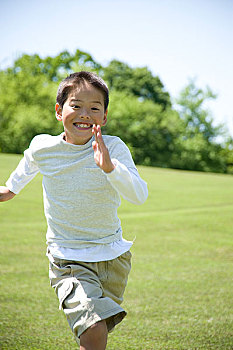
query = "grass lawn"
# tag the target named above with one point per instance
(179, 294)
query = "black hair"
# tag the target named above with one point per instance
(75, 79)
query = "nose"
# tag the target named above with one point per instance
(84, 114)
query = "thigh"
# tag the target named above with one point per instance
(115, 280)
(81, 294)
(74, 280)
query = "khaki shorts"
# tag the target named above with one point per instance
(90, 292)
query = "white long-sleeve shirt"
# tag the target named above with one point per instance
(80, 200)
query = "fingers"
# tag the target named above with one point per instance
(101, 154)
(96, 130)
(94, 145)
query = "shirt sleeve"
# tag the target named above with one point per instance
(125, 178)
(23, 174)
(128, 183)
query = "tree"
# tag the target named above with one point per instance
(26, 109)
(197, 148)
(140, 112)
(148, 130)
(28, 93)
(136, 81)
(55, 68)
(197, 119)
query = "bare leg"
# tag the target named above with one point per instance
(95, 337)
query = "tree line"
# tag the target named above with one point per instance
(159, 132)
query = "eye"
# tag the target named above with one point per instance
(95, 109)
(76, 106)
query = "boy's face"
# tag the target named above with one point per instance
(83, 108)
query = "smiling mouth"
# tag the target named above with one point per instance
(83, 126)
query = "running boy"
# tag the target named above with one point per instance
(84, 174)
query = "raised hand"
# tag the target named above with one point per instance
(101, 154)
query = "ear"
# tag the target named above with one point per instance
(105, 118)
(58, 110)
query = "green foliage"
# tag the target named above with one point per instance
(148, 129)
(197, 119)
(140, 112)
(26, 109)
(195, 153)
(227, 154)
(197, 148)
(136, 81)
(55, 68)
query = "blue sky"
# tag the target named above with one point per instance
(175, 39)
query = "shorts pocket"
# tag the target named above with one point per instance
(63, 290)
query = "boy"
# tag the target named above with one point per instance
(83, 175)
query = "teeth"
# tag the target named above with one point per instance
(83, 125)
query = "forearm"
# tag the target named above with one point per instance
(128, 183)
(5, 194)
(23, 174)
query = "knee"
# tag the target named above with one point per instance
(95, 337)
(99, 328)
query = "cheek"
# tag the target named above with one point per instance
(66, 115)
(65, 119)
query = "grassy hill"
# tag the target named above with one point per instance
(179, 294)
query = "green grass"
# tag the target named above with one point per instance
(179, 294)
